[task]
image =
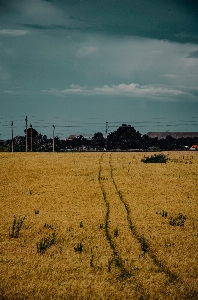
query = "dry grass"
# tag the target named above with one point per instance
(109, 218)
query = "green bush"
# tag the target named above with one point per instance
(156, 158)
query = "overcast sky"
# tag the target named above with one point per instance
(76, 64)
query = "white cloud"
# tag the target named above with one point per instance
(14, 92)
(12, 32)
(86, 51)
(137, 90)
(129, 90)
(75, 86)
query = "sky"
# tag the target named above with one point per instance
(78, 64)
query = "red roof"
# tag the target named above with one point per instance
(195, 146)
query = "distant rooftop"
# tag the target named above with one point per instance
(176, 135)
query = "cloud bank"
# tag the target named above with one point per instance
(193, 54)
(129, 90)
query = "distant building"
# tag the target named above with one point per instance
(71, 137)
(175, 135)
(88, 137)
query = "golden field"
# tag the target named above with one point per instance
(112, 217)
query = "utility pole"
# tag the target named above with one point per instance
(106, 127)
(31, 136)
(53, 137)
(12, 137)
(26, 147)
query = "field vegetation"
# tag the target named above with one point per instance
(98, 226)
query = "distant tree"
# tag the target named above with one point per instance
(124, 138)
(31, 131)
(19, 144)
(169, 143)
(98, 140)
(76, 142)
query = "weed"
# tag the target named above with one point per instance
(46, 242)
(79, 247)
(178, 221)
(49, 226)
(91, 260)
(164, 214)
(110, 262)
(116, 232)
(16, 226)
(156, 158)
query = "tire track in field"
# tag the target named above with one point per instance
(171, 276)
(117, 258)
(125, 271)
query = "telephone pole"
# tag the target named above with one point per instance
(12, 137)
(106, 127)
(26, 147)
(31, 136)
(53, 137)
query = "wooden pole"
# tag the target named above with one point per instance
(53, 137)
(31, 136)
(26, 147)
(106, 127)
(12, 137)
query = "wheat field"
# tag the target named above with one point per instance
(122, 229)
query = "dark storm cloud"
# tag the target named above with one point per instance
(174, 21)
(56, 53)
(49, 27)
(193, 54)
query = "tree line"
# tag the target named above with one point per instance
(124, 138)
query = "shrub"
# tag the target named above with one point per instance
(16, 226)
(79, 247)
(46, 243)
(156, 158)
(178, 221)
